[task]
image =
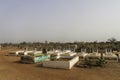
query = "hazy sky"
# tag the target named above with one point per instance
(59, 20)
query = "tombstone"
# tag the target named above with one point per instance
(35, 49)
(108, 51)
(95, 50)
(26, 49)
(75, 48)
(83, 50)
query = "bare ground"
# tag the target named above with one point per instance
(12, 69)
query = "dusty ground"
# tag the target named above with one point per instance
(11, 69)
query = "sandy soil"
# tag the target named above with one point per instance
(12, 69)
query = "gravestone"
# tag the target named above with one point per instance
(83, 50)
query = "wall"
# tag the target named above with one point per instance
(61, 64)
(73, 62)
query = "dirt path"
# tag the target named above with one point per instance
(11, 69)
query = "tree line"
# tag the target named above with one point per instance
(111, 43)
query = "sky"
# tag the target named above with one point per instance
(59, 20)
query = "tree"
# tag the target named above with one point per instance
(112, 40)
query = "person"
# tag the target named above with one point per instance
(44, 51)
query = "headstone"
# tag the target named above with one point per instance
(35, 49)
(108, 50)
(26, 49)
(83, 50)
(95, 50)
